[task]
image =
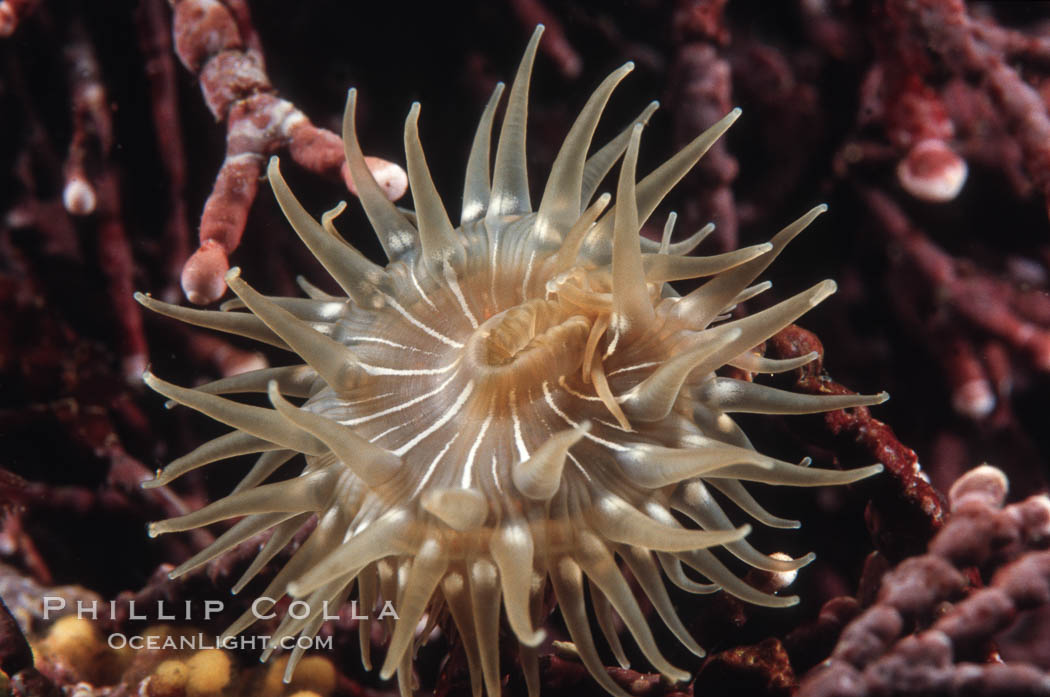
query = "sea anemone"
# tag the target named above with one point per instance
(514, 402)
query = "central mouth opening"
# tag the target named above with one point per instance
(536, 340)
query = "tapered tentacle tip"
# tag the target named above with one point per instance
(180, 571)
(855, 475)
(154, 530)
(274, 393)
(883, 396)
(159, 386)
(273, 168)
(723, 124)
(533, 640)
(158, 481)
(335, 212)
(676, 675)
(142, 298)
(822, 291)
(234, 274)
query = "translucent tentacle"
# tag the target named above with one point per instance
(237, 323)
(264, 466)
(428, 567)
(652, 399)
(567, 580)
(315, 293)
(226, 446)
(243, 530)
(695, 501)
(760, 326)
(708, 564)
(280, 537)
(640, 562)
(313, 625)
(306, 493)
(512, 550)
(308, 309)
(436, 235)
(476, 188)
(510, 180)
(454, 588)
(660, 268)
(333, 361)
(603, 612)
(561, 203)
(652, 189)
(262, 423)
(366, 584)
(619, 521)
(570, 246)
(676, 574)
(682, 247)
(632, 309)
(485, 602)
(396, 234)
(738, 494)
(786, 474)
(654, 466)
(596, 561)
(599, 164)
(665, 236)
(354, 273)
(370, 462)
(760, 364)
(329, 529)
(729, 395)
(386, 536)
(539, 477)
(293, 380)
(710, 299)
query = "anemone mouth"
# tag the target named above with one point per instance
(527, 343)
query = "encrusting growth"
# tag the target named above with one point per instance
(509, 403)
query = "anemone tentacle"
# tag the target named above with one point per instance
(514, 402)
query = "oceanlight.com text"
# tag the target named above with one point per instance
(199, 641)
